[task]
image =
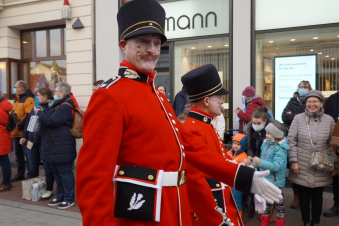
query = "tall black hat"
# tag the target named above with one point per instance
(202, 82)
(141, 17)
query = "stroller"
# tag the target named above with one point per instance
(247, 200)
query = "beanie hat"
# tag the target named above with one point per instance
(249, 91)
(242, 138)
(276, 132)
(315, 93)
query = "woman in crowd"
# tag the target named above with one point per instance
(5, 142)
(296, 105)
(58, 146)
(162, 89)
(34, 148)
(310, 131)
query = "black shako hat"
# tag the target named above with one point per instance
(141, 17)
(202, 82)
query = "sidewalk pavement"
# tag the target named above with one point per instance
(15, 211)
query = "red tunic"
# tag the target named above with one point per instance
(131, 123)
(200, 195)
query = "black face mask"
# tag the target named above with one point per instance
(256, 135)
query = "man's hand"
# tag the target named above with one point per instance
(295, 167)
(22, 141)
(264, 188)
(260, 204)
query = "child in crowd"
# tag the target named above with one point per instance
(273, 157)
(238, 154)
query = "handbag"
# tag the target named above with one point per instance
(27, 186)
(38, 188)
(34, 124)
(319, 160)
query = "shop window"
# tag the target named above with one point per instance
(55, 42)
(41, 43)
(163, 71)
(284, 59)
(191, 54)
(3, 77)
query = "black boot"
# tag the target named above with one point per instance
(307, 223)
(17, 178)
(334, 211)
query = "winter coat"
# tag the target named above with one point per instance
(253, 145)
(23, 104)
(5, 135)
(274, 158)
(321, 128)
(34, 137)
(179, 104)
(58, 146)
(331, 106)
(296, 106)
(245, 117)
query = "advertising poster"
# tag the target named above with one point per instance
(289, 72)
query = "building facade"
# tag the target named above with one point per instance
(270, 44)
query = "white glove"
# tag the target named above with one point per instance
(264, 188)
(260, 204)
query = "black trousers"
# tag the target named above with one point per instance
(335, 191)
(317, 201)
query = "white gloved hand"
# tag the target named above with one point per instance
(264, 188)
(260, 204)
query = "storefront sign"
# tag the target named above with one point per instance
(192, 18)
(289, 72)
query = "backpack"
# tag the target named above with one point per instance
(76, 130)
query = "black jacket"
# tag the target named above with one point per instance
(58, 146)
(180, 102)
(296, 106)
(331, 106)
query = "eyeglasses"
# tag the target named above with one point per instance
(57, 91)
(312, 102)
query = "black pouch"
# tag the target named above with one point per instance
(137, 192)
(217, 191)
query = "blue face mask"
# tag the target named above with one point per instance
(257, 128)
(302, 92)
(14, 91)
(55, 97)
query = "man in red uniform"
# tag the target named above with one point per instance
(132, 165)
(204, 90)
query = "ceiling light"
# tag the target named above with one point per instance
(209, 46)
(332, 58)
(25, 42)
(226, 45)
(192, 47)
(327, 56)
(276, 48)
(311, 50)
(338, 36)
(315, 37)
(320, 53)
(270, 41)
(292, 40)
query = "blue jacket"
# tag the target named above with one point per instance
(34, 137)
(275, 161)
(58, 146)
(179, 102)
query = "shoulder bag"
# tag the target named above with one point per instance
(319, 160)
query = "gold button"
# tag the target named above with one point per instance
(121, 172)
(150, 177)
(150, 24)
(217, 185)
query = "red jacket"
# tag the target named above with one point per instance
(5, 135)
(250, 108)
(200, 195)
(128, 122)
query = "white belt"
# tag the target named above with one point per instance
(171, 179)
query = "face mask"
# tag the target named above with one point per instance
(257, 128)
(14, 91)
(55, 97)
(302, 92)
(41, 101)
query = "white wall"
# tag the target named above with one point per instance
(241, 52)
(107, 39)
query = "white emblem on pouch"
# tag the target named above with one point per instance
(205, 119)
(136, 202)
(129, 73)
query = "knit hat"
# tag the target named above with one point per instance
(315, 93)
(249, 91)
(242, 138)
(276, 132)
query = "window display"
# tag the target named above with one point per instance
(300, 48)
